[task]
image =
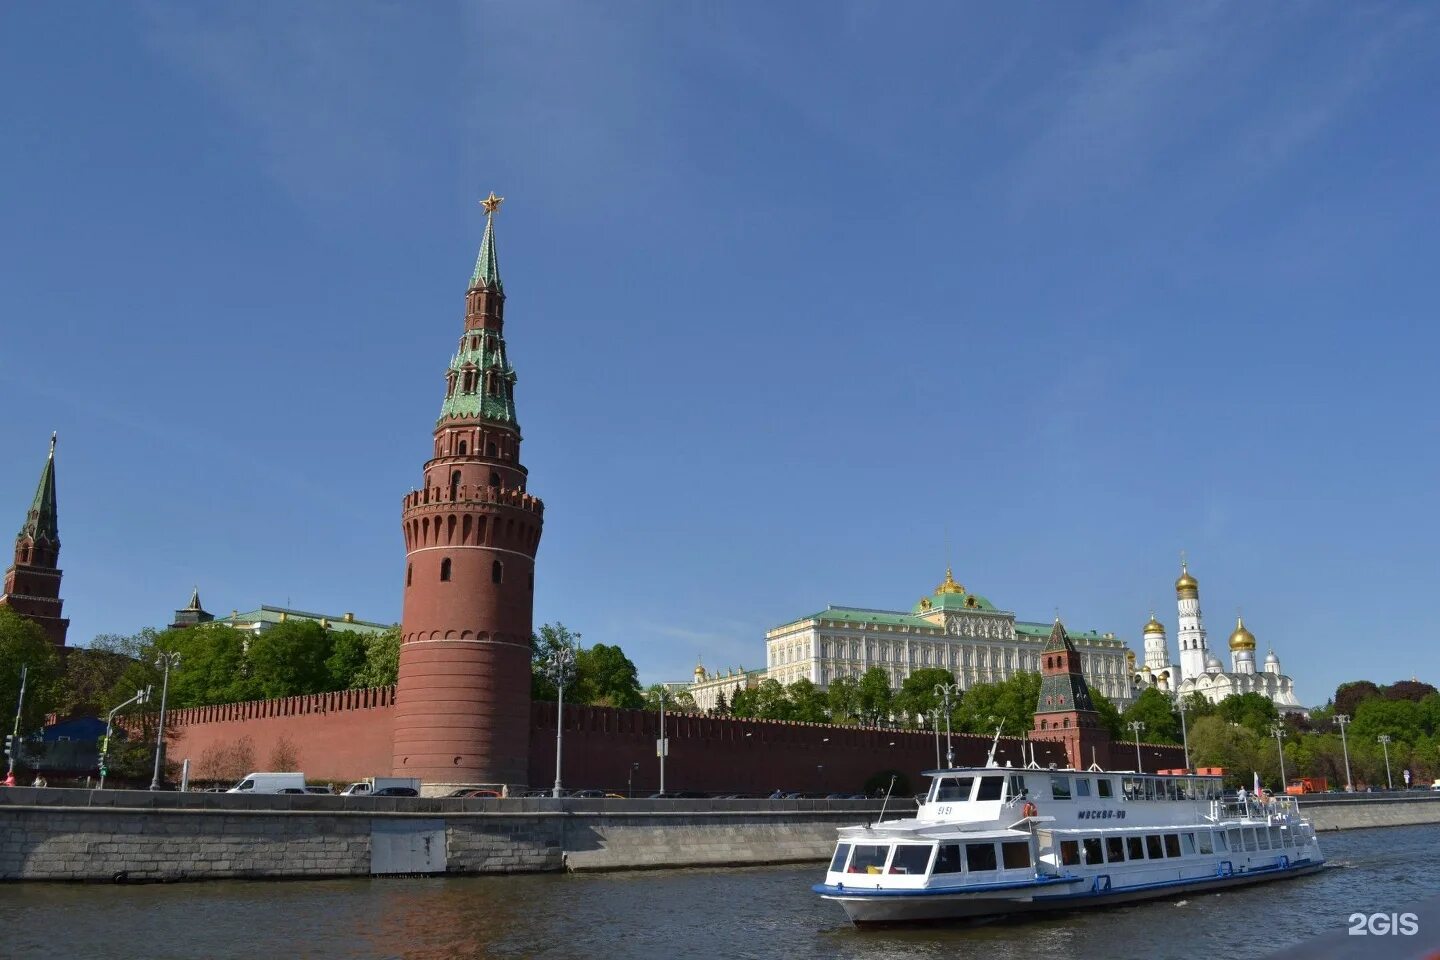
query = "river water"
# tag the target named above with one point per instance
(732, 913)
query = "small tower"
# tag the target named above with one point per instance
(1272, 663)
(32, 584)
(462, 700)
(1193, 648)
(1157, 651)
(192, 614)
(1242, 648)
(1064, 711)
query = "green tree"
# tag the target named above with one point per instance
(722, 706)
(1110, 717)
(1253, 710)
(1400, 719)
(807, 703)
(1153, 708)
(290, 659)
(873, 695)
(346, 660)
(843, 696)
(382, 661)
(771, 702)
(1215, 742)
(604, 676)
(213, 667)
(917, 699)
(742, 702)
(1348, 696)
(22, 643)
(90, 674)
(1010, 703)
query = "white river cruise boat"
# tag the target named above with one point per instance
(991, 841)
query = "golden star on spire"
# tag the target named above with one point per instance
(492, 203)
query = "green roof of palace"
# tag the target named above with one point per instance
(42, 520)
(487, 265)
(267, 614)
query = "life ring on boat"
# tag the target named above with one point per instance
(1029, 810)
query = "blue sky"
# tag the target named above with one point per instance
(796, 293)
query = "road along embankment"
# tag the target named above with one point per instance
(115, 835)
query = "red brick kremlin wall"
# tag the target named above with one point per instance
(347, 735)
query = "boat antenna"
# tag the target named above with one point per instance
(990, 760)
(1094, 763)
(1033, 764)
(887, 799)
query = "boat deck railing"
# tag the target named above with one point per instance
(1273, 809)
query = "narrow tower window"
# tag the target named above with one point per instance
(489, 449)
(455, 485)
(409, 573)
(462, 448)
(497, 572)
(494, 479)
(445, 569)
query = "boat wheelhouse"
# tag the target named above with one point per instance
(992, 840)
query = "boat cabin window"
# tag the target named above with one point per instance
(1150, 790)
(979, 856)
(1152, 846)
(1233, 841)
(1016, 854)
(947, 859)
(1104, 787)
(1187, 844)
(1129, 786)
(838, 863)
(1172, 844)
(1092, 850)
(953, 789)
(1017, 785)
(1060, 788)
(1070, 852)
(910, 858)
(1136, 846)
(1263, 836)
(1115, 849)
(1082, 787)
(1206, 846)
(868, 859)
(990, 788)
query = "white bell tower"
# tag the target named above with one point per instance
(1193, 648)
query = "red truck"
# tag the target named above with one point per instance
(1303, 785)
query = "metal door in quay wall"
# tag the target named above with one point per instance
(407, 846)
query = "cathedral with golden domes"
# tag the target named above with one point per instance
(1199, 670)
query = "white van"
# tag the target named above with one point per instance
(270, 783)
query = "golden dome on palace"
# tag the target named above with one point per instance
(1154, 626)
(1241, 639)
(948, 585)
(1186, 585)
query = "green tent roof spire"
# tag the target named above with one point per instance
(487, 266)
(42, 523)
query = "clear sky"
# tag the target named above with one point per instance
(797, 292)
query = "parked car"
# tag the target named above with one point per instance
(370, 786)
(477, 794)
(323, 789)
(588, 795)
(396, 792)
(290, 782)
(540, 793)
(298, 790)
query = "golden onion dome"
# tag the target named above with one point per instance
(1130, 655)
(1241, 639)
(1186, 586)
(1154, 626)
(948, 585)
(699, 672)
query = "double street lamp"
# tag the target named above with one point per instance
(1137, 726)
(1343, 719)
(558, 668)
(165, 660)
(946, 691)
(1278, 732)
(1184, 732)
(1384, 741)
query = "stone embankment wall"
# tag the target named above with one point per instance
(48, 834)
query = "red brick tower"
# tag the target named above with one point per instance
(462, 704)
(32, 584)
(1065, 711)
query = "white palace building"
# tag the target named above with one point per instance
(950, 628)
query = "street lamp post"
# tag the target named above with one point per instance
(1343, 719)
(1184, 732)
(1278, 731)
(1384, 740)
(558, 669)
(166, 660)
(947, 690)
(662, 746)
(630, 784)
(140, 697)
(1137, 726)
(15, 733)
(935, 726)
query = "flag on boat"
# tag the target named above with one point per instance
(1257, 783)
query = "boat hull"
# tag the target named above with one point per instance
(921, 907)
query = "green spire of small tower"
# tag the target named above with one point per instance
(487, 266)
(42, 522)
